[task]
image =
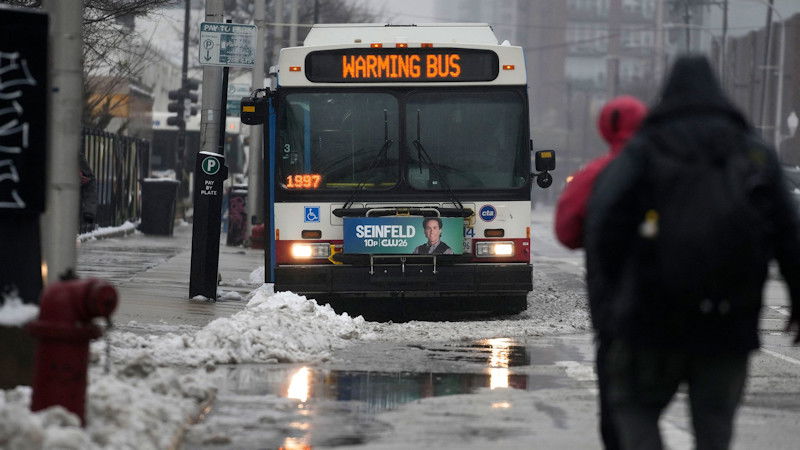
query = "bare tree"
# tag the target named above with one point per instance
(113, 54)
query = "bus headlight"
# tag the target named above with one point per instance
(489, 249)
(311, 250)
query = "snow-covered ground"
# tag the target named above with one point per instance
(160, 381)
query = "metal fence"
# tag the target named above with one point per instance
(119, 164)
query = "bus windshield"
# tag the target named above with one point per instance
(464, 139)
(338, 141)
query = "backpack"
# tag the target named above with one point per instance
(700, 257)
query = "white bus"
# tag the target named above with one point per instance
(402, 166)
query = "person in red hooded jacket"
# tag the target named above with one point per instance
(619, 119)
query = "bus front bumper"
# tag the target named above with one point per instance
(409, 280)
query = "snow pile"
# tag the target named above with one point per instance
(282, 327)
(223, 295)
(139, 407)
(257, 276)
(286, 327)
(125, 228)
(144, 407)
(14, 313)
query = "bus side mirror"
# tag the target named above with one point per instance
(254, 110)
(545, 161)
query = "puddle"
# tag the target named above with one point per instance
(294, 406)
(374, 391)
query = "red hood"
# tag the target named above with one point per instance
(619, 119)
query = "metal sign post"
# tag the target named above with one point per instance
(221, 44)
(210, 172)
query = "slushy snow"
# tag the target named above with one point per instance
(15, 313)
(144, 404)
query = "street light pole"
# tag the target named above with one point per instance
(779, 100)
(776, 132)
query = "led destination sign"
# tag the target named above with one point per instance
(374, 65)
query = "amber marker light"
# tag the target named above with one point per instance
(426, 45)
(376, 45)
(508, 67)
(401, 45)
(494, 233)
(311, 234)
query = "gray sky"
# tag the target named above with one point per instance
(406, 11)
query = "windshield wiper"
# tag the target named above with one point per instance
(422, 152)
(382, 153)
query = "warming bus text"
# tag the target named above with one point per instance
(403, 64)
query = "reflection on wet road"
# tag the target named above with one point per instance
(289, 406)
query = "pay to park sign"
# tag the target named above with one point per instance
(227, 44)
(404, 235)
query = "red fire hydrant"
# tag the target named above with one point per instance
(63, 330)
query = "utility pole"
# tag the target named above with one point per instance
(614, 47)
(687, 17)
(255, 166)
(59, 224)
(766, 68)
(293, 26)
(277, 40)
(724, 46)
(658, 42)
(210, 114)
(180, 154)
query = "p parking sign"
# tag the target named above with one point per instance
(210, 165)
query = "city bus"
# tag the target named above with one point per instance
(400, 161)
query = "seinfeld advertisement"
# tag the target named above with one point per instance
(404, 235)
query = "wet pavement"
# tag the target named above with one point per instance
(340, 403)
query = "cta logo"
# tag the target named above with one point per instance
(487, 213)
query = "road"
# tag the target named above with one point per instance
(524, 381)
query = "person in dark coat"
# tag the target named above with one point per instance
(618, 121)
(665, 334)
(88, 192)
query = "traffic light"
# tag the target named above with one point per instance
(177, 106)
(190, 100)
(183, 103)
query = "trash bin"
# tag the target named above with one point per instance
(237, 215)
(158, 206)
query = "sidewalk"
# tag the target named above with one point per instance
(151, 274)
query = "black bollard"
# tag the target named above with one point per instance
(210, 171)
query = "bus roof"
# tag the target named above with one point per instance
(349, 33)
(349, 43)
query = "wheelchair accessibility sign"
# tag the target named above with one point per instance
(311, 214)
